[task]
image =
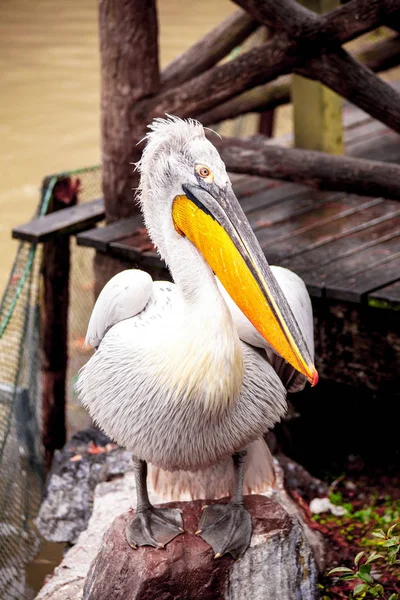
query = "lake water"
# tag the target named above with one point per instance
(49, 100)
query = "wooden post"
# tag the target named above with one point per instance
(129, 72)
(54, 338)
(317, 110)
(267, 118)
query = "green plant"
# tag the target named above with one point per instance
(367, 587)
(391, 543)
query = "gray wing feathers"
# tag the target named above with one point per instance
(124, 296)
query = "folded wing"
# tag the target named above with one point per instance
(123, 297)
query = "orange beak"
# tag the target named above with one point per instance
(213, 220)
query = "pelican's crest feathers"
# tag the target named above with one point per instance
(165, 138)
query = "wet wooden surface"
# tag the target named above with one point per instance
(345, 247)
(68, 221)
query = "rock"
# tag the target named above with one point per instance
(279, 494)
(299, 480)
(110, 499)
(324, 505)
(76, 470)
(278, 564)
(68, 504)
(115, 497)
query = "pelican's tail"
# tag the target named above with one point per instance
(216, 481)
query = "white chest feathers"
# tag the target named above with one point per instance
(204, 361)
(177, 353)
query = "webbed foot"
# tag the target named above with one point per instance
(227, 528)
(154, 527)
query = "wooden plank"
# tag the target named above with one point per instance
(342, 224)
(354, 116)
(298, 232)
(63, 222)
(350, 263)
(100, 237)
(315, 257)
(386, 297)
(355, 287)
(250, 185)
(236, 178)
(365, 131)
(267, 198)
(384, 147)
(130, 249)
(303, 203)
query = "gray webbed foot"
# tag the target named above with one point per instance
(227, 528)
(154, 527)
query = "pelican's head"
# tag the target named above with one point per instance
(185, 192)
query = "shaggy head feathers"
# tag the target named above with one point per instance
(167, 138)
(173, 147)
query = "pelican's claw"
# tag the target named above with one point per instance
(154, 527)
(227, 528)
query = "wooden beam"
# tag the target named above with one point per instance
(381, 56)
(316, 169)
(342, 24)
(209, 50)
(69, 221)
(280, 55)
(259, 99)
(317, 110)
(222, 82)
(101, 237)
(54, 335)
(352, 80)
(129, 72)
(377, 56)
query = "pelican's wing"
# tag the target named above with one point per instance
(299, 300)
(123, 297)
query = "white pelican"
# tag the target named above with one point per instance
(180, 376)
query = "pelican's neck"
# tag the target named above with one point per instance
(194, 278)
(210, 359)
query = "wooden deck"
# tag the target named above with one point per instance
(345, 247)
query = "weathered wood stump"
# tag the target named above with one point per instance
(278, 564)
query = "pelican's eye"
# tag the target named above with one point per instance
(205, 173)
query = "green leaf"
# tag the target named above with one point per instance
(372, 557)
(340, 570)
(392, 557)
(391, 529)
(363, 573)
(358, 557)
(348, 577)
(379, 534)
(360, 589)
(364, 568)
(377, 591)
(394, 597)
(390, 543)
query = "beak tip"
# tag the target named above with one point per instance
(314, 378)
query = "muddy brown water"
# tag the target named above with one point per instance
(49, 111)
(49, 101)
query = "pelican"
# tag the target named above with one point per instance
(189, 375)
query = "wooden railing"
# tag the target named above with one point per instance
(194, 85)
